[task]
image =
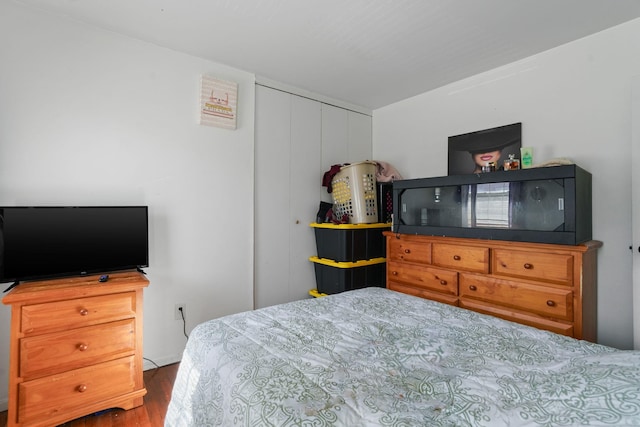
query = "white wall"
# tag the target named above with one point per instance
(91, 117)
(573, 101)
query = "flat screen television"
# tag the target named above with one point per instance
(48, 242)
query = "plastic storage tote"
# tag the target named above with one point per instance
(333, 277)
(350, 242)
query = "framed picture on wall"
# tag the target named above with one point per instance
(218, 102)
(470, 151)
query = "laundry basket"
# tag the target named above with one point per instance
(354, 193)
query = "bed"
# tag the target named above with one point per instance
(375, 357)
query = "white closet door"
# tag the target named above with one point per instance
(635, 206)
(335, 140)
(272, 199)
(297, 140)
(305, 190)
(346, 136)
(287, 191)
(359, 140)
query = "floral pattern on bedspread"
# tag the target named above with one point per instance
(374, 357)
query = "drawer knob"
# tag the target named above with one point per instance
(407, 251)
(394, 273)
(83, 347)
(456, 257)
(551, 303)
(473, 287)
(443, 282)
(528, 266)
(82, 388)
(84, 312)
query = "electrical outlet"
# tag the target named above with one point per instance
(180, 311)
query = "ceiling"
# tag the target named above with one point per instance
(369, 53)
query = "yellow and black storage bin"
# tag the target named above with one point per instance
(333, 277)
(350, 256)
(350, 242)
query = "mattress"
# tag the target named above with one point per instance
(375, 357)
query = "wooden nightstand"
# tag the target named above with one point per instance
(76, 347)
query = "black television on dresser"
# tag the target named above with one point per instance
(41, 242)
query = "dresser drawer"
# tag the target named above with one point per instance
(425, 293)
(54, 395)
(76, 313)
(556, 326)
(61, 351)
(435, 279)
(549, 267)
(407, 250)
(460, 257)
(541, 300)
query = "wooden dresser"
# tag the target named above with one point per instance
(76, 347)
(550, 287)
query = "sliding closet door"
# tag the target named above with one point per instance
(635, 206)
(297, 140)
(346, 136)
(272, 158)
(287, 190)
(305, 189)
(360, 137)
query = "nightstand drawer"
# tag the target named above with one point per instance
(61, 351)
(54, 395)
(548, 267)
(76, 313)
(468, 258)
(541, 300)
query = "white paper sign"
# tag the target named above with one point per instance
(218, 102)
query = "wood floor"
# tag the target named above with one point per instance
(159, 383)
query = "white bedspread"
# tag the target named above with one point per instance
(374, 357)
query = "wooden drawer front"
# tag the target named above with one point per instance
(409, 251)
(61, 351)
(423, 293)
(555, 268)
(75, 313)
(435, 279)
(551, 302)
(50, 396)
(460, 257)
(518, 317)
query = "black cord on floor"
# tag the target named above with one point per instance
(154, 363)
(184, 323)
